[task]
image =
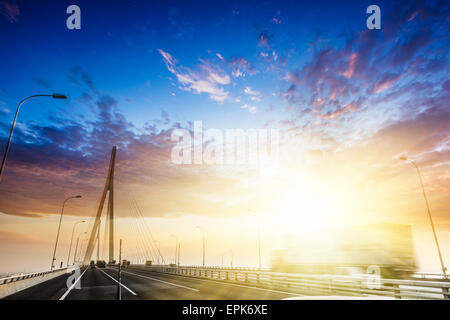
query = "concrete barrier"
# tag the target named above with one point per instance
(11, 285)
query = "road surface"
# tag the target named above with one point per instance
(101, 284)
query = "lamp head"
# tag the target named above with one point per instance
(403, 158)
(78, 196)
(59, 96)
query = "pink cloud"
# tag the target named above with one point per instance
(351, 66)
(385, 83)
(350, 107)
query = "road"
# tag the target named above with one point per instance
(101, 284)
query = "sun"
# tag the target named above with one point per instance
(296, 202)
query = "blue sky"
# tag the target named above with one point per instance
(118, 47)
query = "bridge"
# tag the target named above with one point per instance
(209, 283)
(119, 279)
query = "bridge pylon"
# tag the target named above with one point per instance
(95, 232)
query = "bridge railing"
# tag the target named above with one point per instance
(223, 268)
(27, 276)
(16, 283)
(306, 284)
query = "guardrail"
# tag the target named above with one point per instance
(221, 268)
(16, 283)
(435, 276)
(361, 286)
(26, 276)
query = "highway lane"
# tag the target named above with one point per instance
(100, 284)
(96, 285)
(154, 285)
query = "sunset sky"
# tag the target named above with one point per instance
(348, 102)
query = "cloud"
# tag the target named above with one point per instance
(207, 79)
(241, 67)
(250, 108)
(386, 81)
(65, 156)
(350, 107)
(80, 77)
(251, 92)
(10, 11)
(276, 20)
(264, 39)
(9, 238)
(43, 83)
(351, 66)
(387, 64)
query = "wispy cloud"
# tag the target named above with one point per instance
(251, 92)
(250, 108)
(264, 39)
(241, 67)
(10, 11)
(206, 79)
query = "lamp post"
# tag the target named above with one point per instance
(81, 248)
(59, 227)
(5, 154)
(259, 242)
(176, 247)
(71, 239)
(204, 244)
(232, 256)
(76, 247)
(259, 238)
(444, 269)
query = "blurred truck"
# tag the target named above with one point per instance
(352, 250)
(101, 264)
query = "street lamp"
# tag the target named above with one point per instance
(81, 248)
(444, 269)
(231, 256)
(204, 243)
(71, 239)
(259, 238)
(59, 227)
(76, 247)
(5, 154)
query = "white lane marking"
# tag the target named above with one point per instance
(173, 284)
(72, 286)
(118, 282)
(244, 286)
